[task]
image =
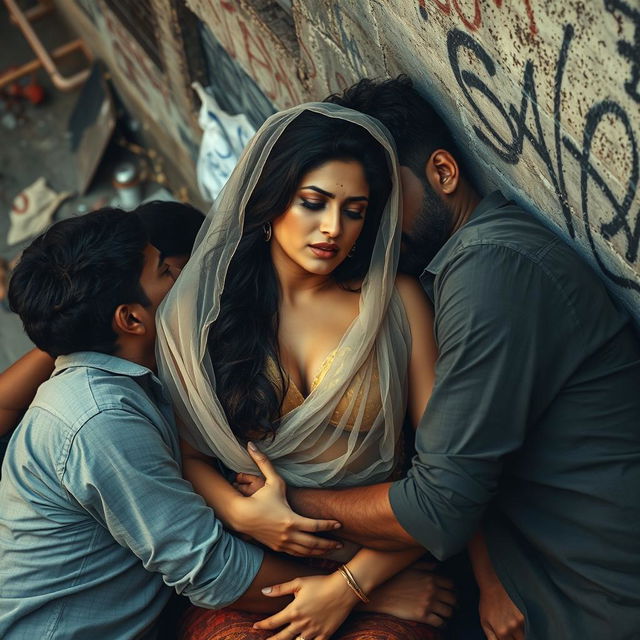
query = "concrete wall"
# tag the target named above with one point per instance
(545, 95)
(160, 98)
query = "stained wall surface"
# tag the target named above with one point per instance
(544, 95)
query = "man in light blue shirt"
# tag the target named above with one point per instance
(92, 475)
(96, 520)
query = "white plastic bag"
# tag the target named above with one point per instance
(224, 137)
(32, 211)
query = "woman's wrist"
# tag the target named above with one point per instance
(360, 589)
(366, 580)
(342, 587)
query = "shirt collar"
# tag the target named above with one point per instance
(488, 204)
(104, 361)
(109, 363)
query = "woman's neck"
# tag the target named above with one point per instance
(296, 284)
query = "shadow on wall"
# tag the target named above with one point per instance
(234, 90)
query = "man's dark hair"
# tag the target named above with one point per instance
(71, 279)
(172, 227)
(414, 124)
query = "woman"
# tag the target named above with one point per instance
(287, 328)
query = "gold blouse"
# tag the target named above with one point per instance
(293, 397)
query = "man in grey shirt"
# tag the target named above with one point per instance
(532, 433)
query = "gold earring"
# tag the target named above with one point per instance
(266, 227)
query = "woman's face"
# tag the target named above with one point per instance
(325, 217)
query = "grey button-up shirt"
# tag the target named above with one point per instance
(534, 424)
(95, 517)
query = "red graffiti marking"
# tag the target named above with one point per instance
(134, 64)
(258, 54)
(265, 68)
(444, 6)
(220, 26)
(23, 205)
(308, 62)
(342, 83)
(477, 16)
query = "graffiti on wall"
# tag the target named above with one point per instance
(629, 51)
(473, 23)
(523, 125)
(234, 90)
(244, 42)
(150, 87)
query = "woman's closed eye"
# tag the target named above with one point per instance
(312, 204)
(354, 214)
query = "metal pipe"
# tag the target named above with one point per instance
(59, 81)
(43, 8)
(34, 65)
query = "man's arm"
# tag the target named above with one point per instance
(496, 371)
(499, 616)
(18, 386)
(134, 487)
(364, 512)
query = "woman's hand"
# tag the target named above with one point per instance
(267, 517)
(415, 594)
(321, 604)
(499, 616)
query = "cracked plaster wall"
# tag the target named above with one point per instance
(545, 96)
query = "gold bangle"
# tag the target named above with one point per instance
(352, 582)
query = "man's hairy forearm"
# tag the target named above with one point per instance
(365, 514)
(274, 570)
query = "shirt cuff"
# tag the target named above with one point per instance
(249, 560)
(408, 508)
(243, 561)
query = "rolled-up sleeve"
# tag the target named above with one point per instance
(123, 473)
(496, 333)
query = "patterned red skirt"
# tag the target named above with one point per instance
(231, 624)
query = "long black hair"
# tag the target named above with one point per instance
(244, 338)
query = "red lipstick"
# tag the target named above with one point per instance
(324, 250)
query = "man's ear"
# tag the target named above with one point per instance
(129, 319)
(442, 172)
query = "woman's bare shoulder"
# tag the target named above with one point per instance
(409, 286)
(413, 297)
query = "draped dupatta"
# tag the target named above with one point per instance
(308, 449)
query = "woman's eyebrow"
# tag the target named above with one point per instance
(332, 195)
(319, 190)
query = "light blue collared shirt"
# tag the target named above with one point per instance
(95, 517)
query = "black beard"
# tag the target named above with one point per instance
(431, 229)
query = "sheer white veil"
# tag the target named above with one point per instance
(309, 448)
